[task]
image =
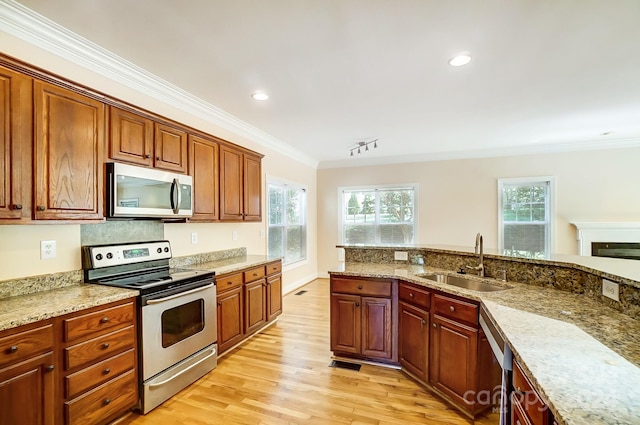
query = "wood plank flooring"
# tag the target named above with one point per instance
(282, 377)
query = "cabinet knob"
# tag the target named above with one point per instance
(104, 320)
(410, 294)
(229, 283)
(12, 349)
(147, 156)
(219, 302)
(359, 286)
(41, 208)
(105, 345)
(157, 158)
(424, 322)
(17, 206)
(106, 401)
(50, 368)
(106, 371)
(357, 304)
(452, 308)
(435, 325)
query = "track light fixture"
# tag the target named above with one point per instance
(364, 145)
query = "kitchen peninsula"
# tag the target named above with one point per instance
(581, 356)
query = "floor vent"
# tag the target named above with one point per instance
(300, 293)
(345, 365)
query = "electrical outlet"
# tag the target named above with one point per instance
(234, 235)
(47, 249)
(400, 255)
(611, 290)
(194, 238)
(261, 233)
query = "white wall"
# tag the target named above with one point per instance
(458, 198)
(20, 244)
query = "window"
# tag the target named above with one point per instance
(526, 209)
(378, 215)
(287, 206)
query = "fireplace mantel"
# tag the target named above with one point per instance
(589, 232)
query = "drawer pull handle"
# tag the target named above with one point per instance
(255, 274)
(452, 308)
(359, 286)
(50, 367)
(106, 401)
(229, 283)
(106, 371)
(410, 294)
(104, 320)
(105, 345)
(12, 349)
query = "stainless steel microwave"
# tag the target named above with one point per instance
(146, 192)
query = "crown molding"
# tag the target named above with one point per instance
(27, 25)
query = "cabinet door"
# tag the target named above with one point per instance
(230, 319)
(170, 148)
(413, 343)
(252, 188)
(376, 328)
(452, 367)
(27, 392)
(69, 139)
(255, 314)
(346, 329)
(274, 296)
(130, 137)
(15, 144)
(203, 167)
(231, 182)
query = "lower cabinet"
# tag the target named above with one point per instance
(527, 408)
(248, 300)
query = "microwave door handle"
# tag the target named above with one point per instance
(175, 203)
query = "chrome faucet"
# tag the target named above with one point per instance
(478, 250)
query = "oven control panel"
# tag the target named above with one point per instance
(116, 255)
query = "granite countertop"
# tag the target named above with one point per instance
(233, 264)
(23, 309)
(583, 357)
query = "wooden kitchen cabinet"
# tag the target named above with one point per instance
(240, 185)
(130, 137)
(230, 310)
(204, 168)
(255, 313)
(413, 328)
(16, 122)
(27, 375)
(170, 148)
(527, 408)
(274, 290)
(69, 140)
(362, 318)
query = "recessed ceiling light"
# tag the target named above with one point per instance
(461, 59)
(260, 96)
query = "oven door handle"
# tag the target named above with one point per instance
(157, 384)
(180, 294)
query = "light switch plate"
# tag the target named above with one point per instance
(47, 250)
(400, 255)
(611, 290)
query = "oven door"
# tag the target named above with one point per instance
(176, 325)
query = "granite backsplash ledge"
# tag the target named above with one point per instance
(45, 282)
(561, 276)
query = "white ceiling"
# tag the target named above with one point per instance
(546, 75)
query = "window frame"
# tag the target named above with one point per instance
(382, 187)
(550, 210)
(285, 185)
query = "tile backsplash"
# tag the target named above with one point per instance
(121, 231)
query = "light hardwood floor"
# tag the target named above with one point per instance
(281, 376)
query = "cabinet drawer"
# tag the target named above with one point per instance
(414, 295)
(455, 309)
(254, 274)
(533, 407)
(99, 373)
(274, 268)
(374, 288)
(104, 345)
(229, 281)
(22, 345)
(98, 322)
(108, 400)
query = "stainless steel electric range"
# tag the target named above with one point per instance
(177, 330)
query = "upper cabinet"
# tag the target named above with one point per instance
(203, 167)
(15, 144)
(68, 145)
(240, 185)
(139, 140)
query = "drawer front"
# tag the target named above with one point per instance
(375, 288)
(96, 323)
(99, 373)
(104, 345)
(254, 274)
(455, 309)
(414, 295)
(108, 400)
(228, 281)
(534, 408)
(274, 268)
(25, 344)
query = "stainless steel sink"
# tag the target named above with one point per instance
(463, 282)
